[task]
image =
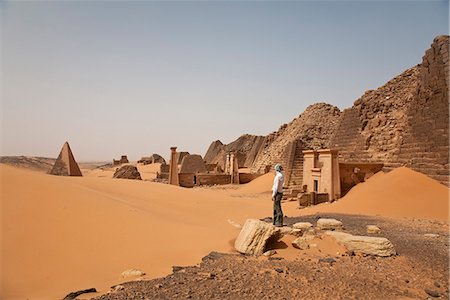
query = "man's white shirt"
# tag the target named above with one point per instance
(278, 184)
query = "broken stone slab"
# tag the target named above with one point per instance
(301, 243)
(132, 273)
(302, 225)
(373, 229)
(329, 224)
(254, 236)
(378, 246)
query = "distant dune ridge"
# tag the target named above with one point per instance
(41, 164)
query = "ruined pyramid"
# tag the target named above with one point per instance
(65, 164)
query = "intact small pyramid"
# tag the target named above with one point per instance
(65, 164)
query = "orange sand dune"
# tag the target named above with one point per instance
(399, 193)
(61, 234)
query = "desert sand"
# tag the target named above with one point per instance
(61, 234)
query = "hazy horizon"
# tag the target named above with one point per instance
(135, 78)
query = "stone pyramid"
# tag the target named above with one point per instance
(65, 164)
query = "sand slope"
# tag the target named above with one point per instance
(61, 234)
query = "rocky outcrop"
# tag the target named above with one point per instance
(127, 172)
(254, 236)
(364, 244)
(41, 164)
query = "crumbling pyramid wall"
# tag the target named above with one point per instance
(246, 148)
(313, 129)
(404, 122)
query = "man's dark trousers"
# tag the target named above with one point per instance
(277, 212)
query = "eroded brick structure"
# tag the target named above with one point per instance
(404, 122)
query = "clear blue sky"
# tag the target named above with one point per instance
(135, 78)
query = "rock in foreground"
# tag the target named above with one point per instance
(364, 244)
(329, 224)
(254, 236)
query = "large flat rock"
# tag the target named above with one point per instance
(254, 236)
(378, 246)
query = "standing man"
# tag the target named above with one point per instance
(277, 194)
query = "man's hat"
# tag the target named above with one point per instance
(278, 167)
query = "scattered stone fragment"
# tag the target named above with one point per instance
(302, 225)
(373, 229)
(329, 224)
(431, 235)
(432, 293)
(232, 223)
(436, 284)
(279, 270)
(118, 287)
(327, 259)
(254, 236)
(364, 244)
(207, 275)
(270, 253)
(132, 273)
(300, 243)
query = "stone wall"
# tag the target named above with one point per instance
(247, 177)
(213, 179)
(187, 179)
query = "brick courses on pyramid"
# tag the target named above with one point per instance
(65, 164)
